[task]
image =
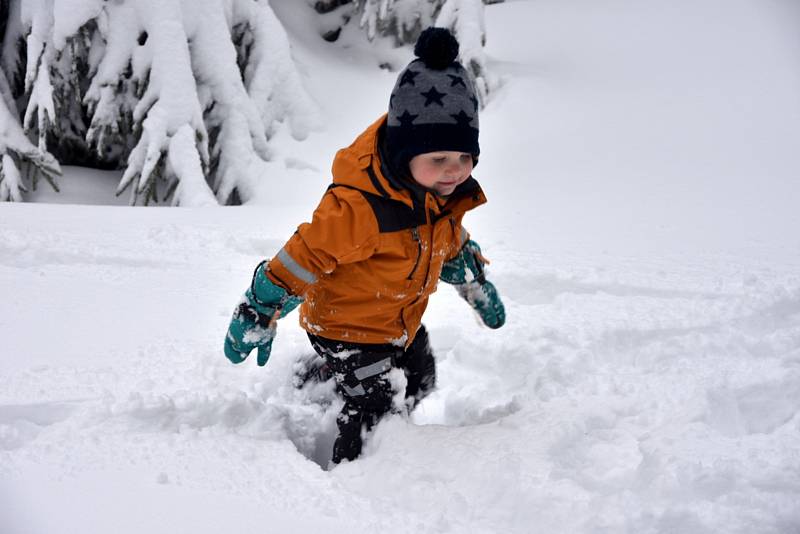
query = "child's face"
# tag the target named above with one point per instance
(441, 171)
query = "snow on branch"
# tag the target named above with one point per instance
(270, 75)
(182, 94)
(120, 67)
(405, 19)
(37, 17)
(465, 18)
(18, 156)
(170, 114)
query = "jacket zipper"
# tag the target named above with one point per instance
(432, 225)
(415, 235)
(430, 259)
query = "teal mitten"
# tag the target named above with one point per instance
(254, 319)
(465, 272)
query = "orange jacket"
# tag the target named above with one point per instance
(373, 251)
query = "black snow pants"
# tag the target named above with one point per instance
(361, 372)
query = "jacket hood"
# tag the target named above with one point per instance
(359, 167)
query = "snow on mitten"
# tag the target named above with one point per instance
(254, 320)
(465, 272)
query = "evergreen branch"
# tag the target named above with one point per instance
(125, 184)
(171, 190)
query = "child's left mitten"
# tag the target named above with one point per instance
(465, 271)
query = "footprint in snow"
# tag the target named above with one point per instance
(757, 409)
(22, 423)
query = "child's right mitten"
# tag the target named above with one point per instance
(465, 272)
(253, 322)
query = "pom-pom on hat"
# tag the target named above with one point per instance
(433, 105)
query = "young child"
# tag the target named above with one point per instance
(384, 233)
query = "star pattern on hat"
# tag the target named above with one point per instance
(408, 77)
(455, 81)
(406, 119)
(461, 118)
(432, 96)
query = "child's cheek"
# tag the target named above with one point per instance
(426, 176)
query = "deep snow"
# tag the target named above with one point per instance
(641, 164)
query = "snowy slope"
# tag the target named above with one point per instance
(641, 163)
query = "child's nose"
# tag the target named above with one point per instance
(455, 167)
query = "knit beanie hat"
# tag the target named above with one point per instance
(433, 105)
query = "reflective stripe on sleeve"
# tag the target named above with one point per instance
(293, 267)
(463, 237)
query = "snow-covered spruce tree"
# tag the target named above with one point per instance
(183, 94)
(403, 20)
(465, 19)
(21, 162)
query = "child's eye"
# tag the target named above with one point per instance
(439, 161)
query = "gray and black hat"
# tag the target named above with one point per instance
(433, 104)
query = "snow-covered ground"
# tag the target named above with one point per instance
(641, 160)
